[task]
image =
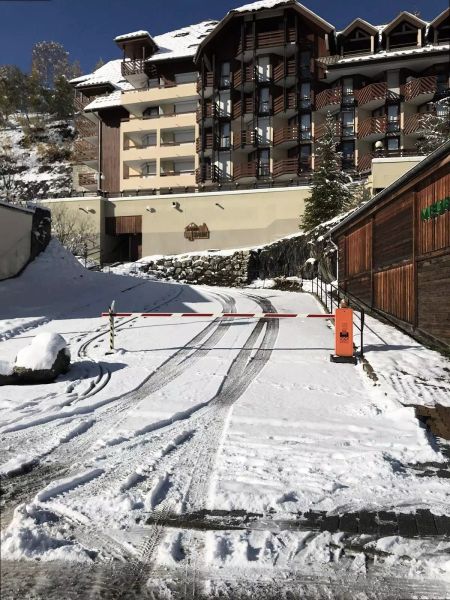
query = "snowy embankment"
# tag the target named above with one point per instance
(244, 415)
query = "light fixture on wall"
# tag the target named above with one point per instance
(176, 205)
(150, 209)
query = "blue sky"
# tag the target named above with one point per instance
(86, 27)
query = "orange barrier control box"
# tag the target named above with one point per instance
(343, 341)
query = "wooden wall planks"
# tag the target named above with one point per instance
(433, 234)
(433, 297)
(393, 292)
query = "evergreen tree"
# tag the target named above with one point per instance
(12, 85)
(329, 190)
(435, 127)
(61, 103)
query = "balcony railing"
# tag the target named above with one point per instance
(365, 161)
(415, 123)
(372, 126)
(87, 179)
(328, 98)
(267, 39)
(287, 134)
(371, 93)
(84, 151)
(283, 70)
(281, 105)
(206, 81)
(244, 138)
(208, 143)
(420, 86)
(251, 169)
(132, 67)
(291, 166)
(320, 130)
(246, 75)
(208, 110)
(240, 108)
(80, 101)
(175, 173)
(86, 128)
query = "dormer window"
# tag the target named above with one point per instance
(405, 34)
(358, 41)
(443, 32)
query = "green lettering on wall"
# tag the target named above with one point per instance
(434, 210)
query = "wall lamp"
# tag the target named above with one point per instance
(150, 209)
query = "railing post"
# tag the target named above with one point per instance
(362, 333)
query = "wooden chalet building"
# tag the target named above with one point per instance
(394, 252)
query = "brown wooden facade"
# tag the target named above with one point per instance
(394, 255)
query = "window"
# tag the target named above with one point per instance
(225, 75)
(264, 162)
(151, 112)
(443, 32)
(224, 137)
(305, 157)
(348, 123)
(357, 41)
(305, 63)
(185, 107)
(149, 139)
(263, 69)
(305, 126)
(404, 34)
(348, 154)
(347, 91)
(305, 95)
(393, 144)
(185, 78)
(393, 121)
(149, 169)
(264, 101)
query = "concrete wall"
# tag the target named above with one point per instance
(387, 170)
(234, 219)
(15, 238)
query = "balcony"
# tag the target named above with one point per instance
(80, 102)
(328, 99)
(132, 67)
(320, 130)
(86, 128)
(245, 76)
(420, 90)
(285, 70)
(85, 152)
(206, 82)
(244, 108)
(207, 111)
(365, 162)
(88, 180)
(291, 167)
(373, 96)
(244, 138)
(287, 105)
(373, 128)
(414, 124)
(207, 145)
(266, 39)
(288, 136)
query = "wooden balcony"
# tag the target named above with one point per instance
(88, 180)
(288, 136)
(288, 69)
(365, 162)
(85, 152)
(86, 128)
(247, 75)
(413, 124)
(207, 81)
(420, 90)
(372, 96)
(132, 67)
(327, 99)
(207, 111)
(320, 130)
(243, 108)
(206, 173)
(373, 128)
(245, 170)
(267, 39)
(281, 104)
(207, 145)
(291, 166)
(243, 138)
(80, 101)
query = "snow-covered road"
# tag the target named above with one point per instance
(220, 418)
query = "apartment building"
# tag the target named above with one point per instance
(239, 106)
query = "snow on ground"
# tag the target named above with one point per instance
(198, 415)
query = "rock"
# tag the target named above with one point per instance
(43, 360)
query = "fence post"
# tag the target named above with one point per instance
(111, 326)
(362, 333)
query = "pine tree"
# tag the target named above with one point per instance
(435, 127)
(329, 191)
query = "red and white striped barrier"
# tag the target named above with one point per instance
(256, 315)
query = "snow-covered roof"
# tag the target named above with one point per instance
(361, 23)
(405, 15)
(438, 20)
(393, 54)
(108, 73)
(107, 101)
(182, 42)
(262, 4)
(134, 34)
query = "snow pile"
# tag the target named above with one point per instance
(42, 352)
(6, 368)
